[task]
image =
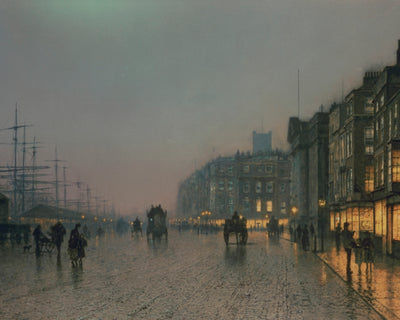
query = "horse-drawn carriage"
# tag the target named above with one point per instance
(238, 226)
(156, 222)
(136, 228)
(273, 228)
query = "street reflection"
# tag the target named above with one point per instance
(76, 275)
(59, 272)
(235, 255)
(157, 245)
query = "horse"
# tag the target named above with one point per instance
(237, 226)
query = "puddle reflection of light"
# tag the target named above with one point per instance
(323, 276)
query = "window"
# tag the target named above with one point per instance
(349, 181)
(270, 187)
(269, 206)
(230, 169)
(350, 108)
(395, 165)
(230, 185)
(379, 171)
(368, 106)
(260, 169)
(246, 187)
(230, 205)
(348, 144)
(221, 185)
(396, 222)
(369, 178)
(283, 187)
(369, 140)
(283, 207)
(246, 168)
(389, 167)
(350, 190)
(258, 187)
(246, 205)
(269, 169)
(258, 205)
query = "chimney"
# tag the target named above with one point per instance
(398, 54)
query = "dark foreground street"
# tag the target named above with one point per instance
(189, 277)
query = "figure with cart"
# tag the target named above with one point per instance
(238, 226)
(156, 223)
(43, 243)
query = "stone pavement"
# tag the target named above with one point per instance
(379, 286)
(189, 277)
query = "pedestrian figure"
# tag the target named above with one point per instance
(291, 232)
(358, 255)
(37, 235)
(348, 244)
(86, 232)
(367, 245)
(76, 246)
(298, 233)
(57, 235)
(305, 239)
(338, 231)
(313, 236)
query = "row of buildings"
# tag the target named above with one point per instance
(254, 184)
(346, 162)
(343, 166)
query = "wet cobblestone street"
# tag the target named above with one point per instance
(189, 277)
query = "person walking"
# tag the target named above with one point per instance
(37, 235)
(338, 231)
(305, 239)
(57, 234)
(367, 245)
(348, 244)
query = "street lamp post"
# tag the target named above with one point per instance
(321, 221)
(294, 213)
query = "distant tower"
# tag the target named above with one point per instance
(262, 142)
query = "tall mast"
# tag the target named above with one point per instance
(65, 186)
(298, 93)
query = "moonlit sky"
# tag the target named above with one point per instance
(137, 94)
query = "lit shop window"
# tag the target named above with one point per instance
(269, 206)
(258, 205)
(396, 222)
(380, 218)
